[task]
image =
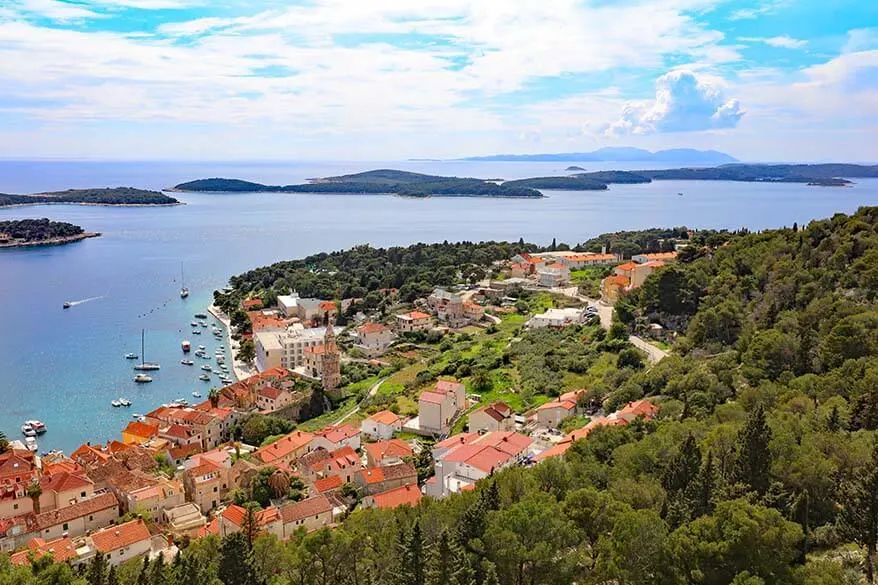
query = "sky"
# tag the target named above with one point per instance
(770, 80)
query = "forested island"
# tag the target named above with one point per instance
(40, 232)
(382, 181)
(407, 184)
(105, 196)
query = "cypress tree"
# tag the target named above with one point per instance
(492, 496)
(683, 468)
(236, 560)
(143, 577)
(415, 556)
(97, 570)
(157, 571)
(440, 565)
(833, 423)
(703, 487)
(112, 579)
(754, 458)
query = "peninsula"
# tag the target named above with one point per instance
(121, 196)
(40, 232)
(381, 181)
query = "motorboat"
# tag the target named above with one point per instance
(200, 316)
(205, 367)
(66, 305)
(196, 394)
(131, 356)
(184, 291)
(204, 378)
(196, 332)
(220, 359)
(142, 379)
(186, 346)
(124, 402)
(144, 365)
(187, 362)
(193, 324)
(30, 443)
(136, 415)
(201, 348)
(115, 403)
(224, 367)
(38, 426)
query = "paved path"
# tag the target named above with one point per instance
(241, 369)
(653, 354)
(372, 392)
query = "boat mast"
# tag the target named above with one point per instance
(142, 353)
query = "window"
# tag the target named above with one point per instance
(214, 488)
(64, 527)
(81, 494)
(15, 506)
(90, 518)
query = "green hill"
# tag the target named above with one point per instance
(105, 196)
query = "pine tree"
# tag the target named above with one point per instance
(415, 556)
(463, 573)
(683, 467)
(143, 577)
(702, 488)
(554, 245)
(97, 570)
(112, 579)
(754, 457)
(236, 560)
(490, 572)
(440, 561)
(492, 496)
(833, 423)
(859, 514)
(157, 571)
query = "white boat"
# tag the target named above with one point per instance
(187, 362)
(131, 356)
(26, 428)
(196, 394)
(30, 443)
(142, 379)
(220, 359)
(144, 365)
(194, 324)
(38, 426)
(124, 402)
(204, 378)
(205, 367)
(184, 292)
(201, 348)
(186, 346)
(196, 332)
(136, 415)
(115, 403)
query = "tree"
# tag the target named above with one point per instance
(411, 557)
(833, 422)
(481, 381)
(4, 443)
(629, 358)
(440, 561)
(859, 512)
(754, 456)
(34, 491)
(214, 396)
(236, 560)
(636, 552)
(112, 579)
(157, 574)
(279, 482)
(97, 569)
(143, 576)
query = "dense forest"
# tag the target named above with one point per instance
(761, 468)
(766, 173)
(106, 196)
(573, 183)
(35, 230)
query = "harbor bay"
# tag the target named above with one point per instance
(64, 367)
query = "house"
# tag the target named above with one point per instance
(320, 463)
(412, 322)
(448, 307)
(381, 426)
(407, 495)
(251, 304)
(63, 550)
(387, 452)
(64, 489)
(461, 461)
(473, 311)
(271, 399)
(639, 408)
(438, 408)
(286, 348)
(327, 485)
(77, 519)
(184, 520)
(557, 318)
(373, 339)
(306, 309)
(552, 413)
(655, 257)
(309, 514)
(206, 484)
(156, 499)
(493, 417)
(123, 542)
(612, 287)
(138, 433)
(375, 480)
(553, 275)
(233, 519)
(285, 450)
(204, 423)
(578, 261)
(332, 438)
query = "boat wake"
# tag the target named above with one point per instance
(74, 303)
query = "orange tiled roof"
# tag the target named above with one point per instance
(628, 266)
(372, 328)
(407, 495)
(384, 417)
(327, 484)
(392, 448)
(62, 550)
(283, 446)
(432, 397)
(306, 508)
(414, 315)
(338, 434)
(617, 279)
(116, 537)
(77, 510)
(64, 481)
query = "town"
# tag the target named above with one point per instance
(387, 439)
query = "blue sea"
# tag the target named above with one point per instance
(65, 366)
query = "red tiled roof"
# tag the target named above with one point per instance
(372, 475)
(249, 304)
(338, 434)
(64, 481)
(565, 404)
(116, 537)
(77, 510)
(283, 446)
(407, 495)
(628, 266)
(327, 305)
(385, 417)
(184, 451)
(554, 451)
(372, 328)
(312, 506)
(327, 484)
(432, 397)
(617, 279)
(62, 550)
(270, 392)
(414, 315)
(498, 411)
(455, 440)
(392, 448)
(179, 431)
(643, 408)
(446, 386)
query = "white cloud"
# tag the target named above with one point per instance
(684, 102)
(784, 42)
(763, 8)
(861, 39)
(53, 9)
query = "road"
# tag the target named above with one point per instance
(605, 312)
(372, 392)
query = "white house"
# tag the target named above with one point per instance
(373, 338)
(438, 408)
(381, 426)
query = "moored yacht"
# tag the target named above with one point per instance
(196, 394)
(124, 402)
(186, 346)
(38, 426)
(131, 356)
(187, 362)
(204, 378)
(145, 365)
(115, 403)
(142, 379)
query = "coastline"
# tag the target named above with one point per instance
(91, 204)
(241, 370)
(445, 195)
(52, 241)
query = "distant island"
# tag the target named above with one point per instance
(40, 232)
(621, 154)
(106, 196)
(407, 184)
(381, 181)
(574, 168)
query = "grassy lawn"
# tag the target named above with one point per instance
(661, 345)
(328, 418)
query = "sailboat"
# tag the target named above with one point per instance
(145, 365)
(184, 292)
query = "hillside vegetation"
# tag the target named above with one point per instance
(35, 230)
(106, 196)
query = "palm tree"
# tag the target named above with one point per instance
(213, 396)
(4, 443)
(34, 491)
(279, 482)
